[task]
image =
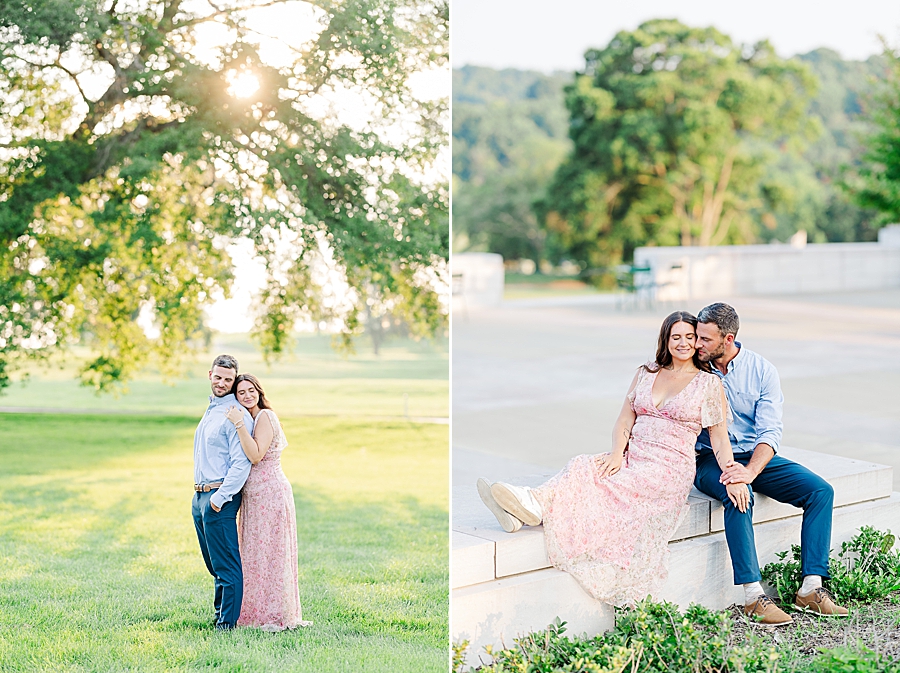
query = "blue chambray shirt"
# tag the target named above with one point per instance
(218, 455)
(754, 394)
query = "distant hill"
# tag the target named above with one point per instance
(510, 132)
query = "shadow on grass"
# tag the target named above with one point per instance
(45, 443)
(122, 586)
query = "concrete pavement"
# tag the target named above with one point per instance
(536, 382)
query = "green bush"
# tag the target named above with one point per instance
(845, 660)
(784, 576)
(866, 568)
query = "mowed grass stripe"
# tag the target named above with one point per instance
(100, 569)
(289, 396)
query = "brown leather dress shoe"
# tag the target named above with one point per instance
(764, 611)
(819, 602)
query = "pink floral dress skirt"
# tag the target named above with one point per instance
(612, 534)
(267, 534)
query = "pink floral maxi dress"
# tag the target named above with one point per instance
(612, 534)
(267, 533)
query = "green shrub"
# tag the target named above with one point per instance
(458, 653)
(866, 568)
(784, 576)
(846, 660)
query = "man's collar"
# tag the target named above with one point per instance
(229, 398)
(736, 357)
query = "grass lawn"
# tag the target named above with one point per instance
(871, 626)
(100, 569)
(538, 286)
(312, 380)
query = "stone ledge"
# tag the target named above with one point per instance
(473, 560)
(853, 481)
(496, 611)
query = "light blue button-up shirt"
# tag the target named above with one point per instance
(218, 455)
(754, 394)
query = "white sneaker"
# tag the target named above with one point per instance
(507, 521)
(519, 502)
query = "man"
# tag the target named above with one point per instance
(754, 395)
(220, 470)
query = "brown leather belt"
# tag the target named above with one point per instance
(206, 488)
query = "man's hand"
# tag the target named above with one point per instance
(739, 495)
(735, 473)
(214, 508)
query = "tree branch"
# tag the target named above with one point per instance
(722, 229)
(715, 201)
(58, 66)
(74, 79)
(167, 20)
(110, 58)
(221, 11)
(138, 60)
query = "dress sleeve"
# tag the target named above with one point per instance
(277, 429)
(711, 411)
(630, 397)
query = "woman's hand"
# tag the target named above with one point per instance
(608, 464)
(234, 414)
(739, 495)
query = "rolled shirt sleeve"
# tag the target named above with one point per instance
(769, 425)
(237, 465)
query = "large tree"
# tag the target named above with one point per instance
(133, 150)
(877, 184)
(667, 123)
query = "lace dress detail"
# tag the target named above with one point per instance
(612, 534)
(267, 533)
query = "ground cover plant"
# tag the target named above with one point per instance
(100, 569)
(651, 637)
(657, 637)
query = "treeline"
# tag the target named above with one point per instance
(670, 135)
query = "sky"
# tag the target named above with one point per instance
(553, 36)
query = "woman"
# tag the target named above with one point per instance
(267, 530)
(608, 518)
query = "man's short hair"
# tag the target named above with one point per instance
(227, 361)
(723, 316)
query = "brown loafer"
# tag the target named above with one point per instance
(819, 602)
(764, 611)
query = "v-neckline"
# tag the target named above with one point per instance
(669, 401)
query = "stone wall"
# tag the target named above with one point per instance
(681, 273)
(478, 279)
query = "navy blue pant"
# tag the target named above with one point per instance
(784, 481)
(217, 533)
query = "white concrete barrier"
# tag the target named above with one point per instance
(503, 585)
(688, 273)
(477, 279)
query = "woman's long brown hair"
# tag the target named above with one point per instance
(663, 356)
(263, 402)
